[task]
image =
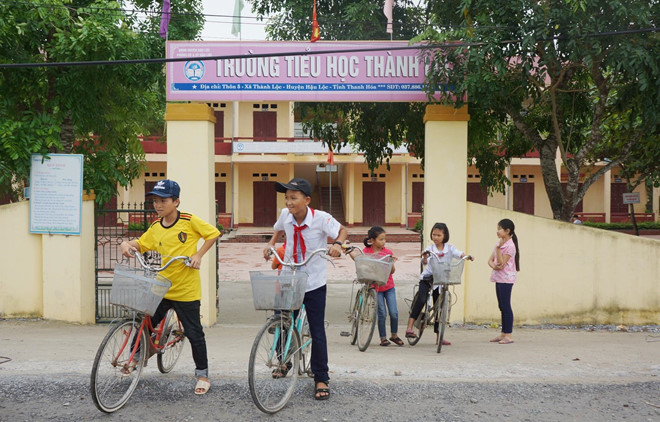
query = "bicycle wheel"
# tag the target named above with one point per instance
(354, 317)
(367, 319)
(269, 354)
(444, 312)
(172, 341)
(419, 324)
(113, 379)
(305, 346)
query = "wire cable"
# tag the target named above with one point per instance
(304, 53)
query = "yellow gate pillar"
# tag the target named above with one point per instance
(190, 162)
(445, 177)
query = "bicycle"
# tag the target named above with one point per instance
(120, 358)
(281, 350)
(371, 271)
(438, 311)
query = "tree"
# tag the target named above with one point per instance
(98, 111)
(573, 76)
(373, 128)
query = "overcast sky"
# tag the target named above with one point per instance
(218, 28)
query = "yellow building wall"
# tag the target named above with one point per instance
(21, 286)
(570, 274)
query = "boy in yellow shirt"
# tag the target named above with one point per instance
(176, 233)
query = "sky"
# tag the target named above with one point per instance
(218, 28)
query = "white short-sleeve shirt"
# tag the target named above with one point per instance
(320, 226)
(448, 252)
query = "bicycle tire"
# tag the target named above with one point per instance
(354, 317)
(111, 388)
(367, 319)
(444, 312)
(172, 341)
(305, 346)
(271, 394)
(419, 324)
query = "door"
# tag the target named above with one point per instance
(417, 196)
(523, 197)
(373, 203)
(264, 204)
(616, 199)
(476, 194)
(220, 198)
(219, 124)
(148, 200)
(264, 126)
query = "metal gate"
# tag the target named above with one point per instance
(113, 226)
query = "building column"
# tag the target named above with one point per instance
(656, 203)
(607, 195)
(403, 222)
(68, 271)
(191, 163)
(445, 179)
(350, 195)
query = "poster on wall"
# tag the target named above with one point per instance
(56, 193)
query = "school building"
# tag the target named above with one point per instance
(260, 143)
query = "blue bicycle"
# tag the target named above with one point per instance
(281, 351)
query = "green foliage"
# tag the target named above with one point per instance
(645, 225)
(550, 76)
(419, 225)
(98, 111)
(220, 227)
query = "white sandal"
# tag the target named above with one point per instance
(202, 385)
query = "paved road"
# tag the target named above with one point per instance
(548, 375)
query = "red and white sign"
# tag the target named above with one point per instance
(631, 198)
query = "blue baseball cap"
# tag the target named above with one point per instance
(296, 183)
(166, 189)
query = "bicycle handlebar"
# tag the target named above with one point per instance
(297, 264)
(438, 258)
(185, 259)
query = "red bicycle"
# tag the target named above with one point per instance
(132, 339)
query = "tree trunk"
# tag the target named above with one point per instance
(547, 151)
(66, 134)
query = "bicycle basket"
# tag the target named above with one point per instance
(275, 290)
(373, 269)
(137, 289)
(446, 272)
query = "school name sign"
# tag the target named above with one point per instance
(294, 71)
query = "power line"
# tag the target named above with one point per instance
(306, 52)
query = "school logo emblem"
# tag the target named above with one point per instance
(194, 70)
(183, 237)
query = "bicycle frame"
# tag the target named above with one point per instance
(297, 325)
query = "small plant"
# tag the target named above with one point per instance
(138, 227)
(645, 225)
(418, 225)
(221, 228)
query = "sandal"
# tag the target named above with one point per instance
(325, 391)
(282, 370)
(202, 385)
(397, 341)
(384, 342)
(410, 334)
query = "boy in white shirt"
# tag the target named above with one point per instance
(307, 229)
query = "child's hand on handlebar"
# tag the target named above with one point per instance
(267, 252)
(335, 250)
(127, 249)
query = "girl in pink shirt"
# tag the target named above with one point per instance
(375, 244)
(504, 275)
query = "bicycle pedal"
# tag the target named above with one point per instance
(345, 334)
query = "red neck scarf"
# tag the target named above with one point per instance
(297, 237)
